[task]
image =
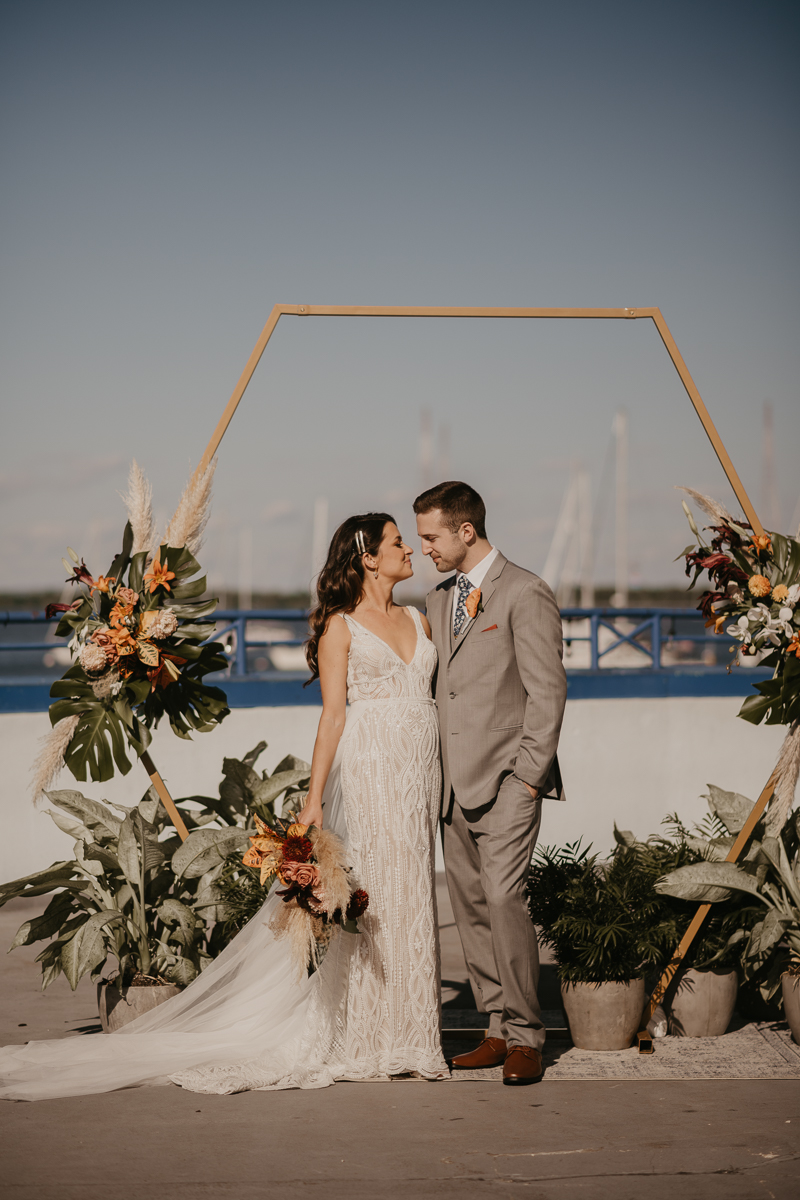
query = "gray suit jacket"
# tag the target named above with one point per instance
(500, 687)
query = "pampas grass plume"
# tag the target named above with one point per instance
(191, 516)
(291, 921)
(788, 769)
(139, 502)
(712, 507)
(331, 859)
(50, 760)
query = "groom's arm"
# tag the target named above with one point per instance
(536, 629)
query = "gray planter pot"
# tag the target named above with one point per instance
(703, 1003)
(791, 1003)
(118, 1009)
(603, 1016)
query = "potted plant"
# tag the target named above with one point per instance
(701, 999)
(135, 897)
(602, 920)
(765, 942)
(790, 986)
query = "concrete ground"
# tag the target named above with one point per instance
(554, 1141)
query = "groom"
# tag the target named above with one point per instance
(500, 694)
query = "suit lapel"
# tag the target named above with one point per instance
(488, 588)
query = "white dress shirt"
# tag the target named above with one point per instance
(475, 576)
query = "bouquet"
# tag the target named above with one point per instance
(755, 598)
(139, 652)
(317, 894)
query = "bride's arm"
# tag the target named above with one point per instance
(333, 649)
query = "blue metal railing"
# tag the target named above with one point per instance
(649, 631)
(651, 634)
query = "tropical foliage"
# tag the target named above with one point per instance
(129, 894)
(134, 896)
(140, 655)
(608, 920)
(601, 919)
(766, 884)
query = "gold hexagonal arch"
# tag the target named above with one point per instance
(601, 314)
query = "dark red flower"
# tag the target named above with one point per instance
(297, 849)
(707, 602)
(53, 610)
(721, 568)
(80, 574)
(359, 903)
(727, 537)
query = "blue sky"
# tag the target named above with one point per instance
(172, 170)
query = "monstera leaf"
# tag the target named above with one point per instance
(205, 848)
(707, 883)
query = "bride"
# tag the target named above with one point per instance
(372, 1010)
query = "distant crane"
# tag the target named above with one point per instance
(770, 500)
(319, 541)
(570, 561)
(620, 597)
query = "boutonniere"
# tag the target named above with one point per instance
(474, 604)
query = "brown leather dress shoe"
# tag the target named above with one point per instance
(490, 1053)
(523, 1065)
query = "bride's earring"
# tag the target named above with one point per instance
(375, 572)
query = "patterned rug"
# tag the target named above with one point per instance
(761, 1050)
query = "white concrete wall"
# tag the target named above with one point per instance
(629, 761)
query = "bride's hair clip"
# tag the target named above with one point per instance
(360, 547)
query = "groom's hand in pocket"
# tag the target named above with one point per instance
(533, 791)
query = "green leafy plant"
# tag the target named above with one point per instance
(243, 795)
(662, 854)
(137, 897)
(768, 878)
(601, 919)
(128, 894)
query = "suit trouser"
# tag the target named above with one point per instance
(487, 854)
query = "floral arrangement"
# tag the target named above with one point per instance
(139, 652)
(754, 598)
(317, 895)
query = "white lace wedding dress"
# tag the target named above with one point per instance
(372, 1009)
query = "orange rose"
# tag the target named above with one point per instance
(303, 874)
(106, 644)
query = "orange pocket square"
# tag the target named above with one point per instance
(488, 629)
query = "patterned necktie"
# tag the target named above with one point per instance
(464, 589)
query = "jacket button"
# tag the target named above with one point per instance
(452, 695)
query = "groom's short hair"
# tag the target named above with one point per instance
(457, 502)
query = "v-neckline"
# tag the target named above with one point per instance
(383, 641)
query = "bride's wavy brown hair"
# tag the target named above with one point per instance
(341, 581)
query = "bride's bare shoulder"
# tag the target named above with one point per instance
(337, 632)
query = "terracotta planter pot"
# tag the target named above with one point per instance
(703, 1003)
(603, 1016)
(118, 1009)
(791, 1003)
